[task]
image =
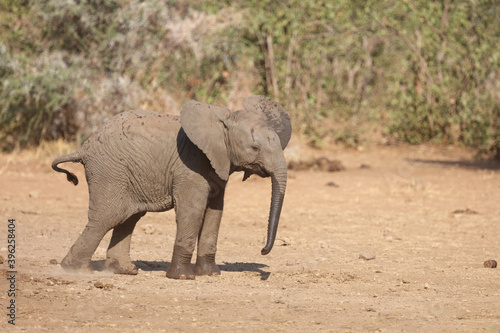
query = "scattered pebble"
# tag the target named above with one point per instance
(364, 166)
(290, 262)
(1, 260)
(460, 212)
(53, 261)
(490, 264)
(34, 194)
(332, 184)
(284, 241)
(366, 256)
(148, 229)
(390, 236)
(52, 281)
(105, 286)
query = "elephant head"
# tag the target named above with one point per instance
(250, 140)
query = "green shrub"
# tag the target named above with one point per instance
(32, 101)
(425, 71)
(445, 90)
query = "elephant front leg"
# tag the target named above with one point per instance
(118, 255)
(180, 267)
(207, 242)
(189, 218)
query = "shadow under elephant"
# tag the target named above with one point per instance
(162, 266)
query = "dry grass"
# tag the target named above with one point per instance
(46, 150)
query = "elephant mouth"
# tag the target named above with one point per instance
(259, 171)
(254, 170)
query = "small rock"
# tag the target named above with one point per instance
(332, 184)
(53, 261)
(34, 194)
(105, 286)
(460, 212)
(1, 260)
(366, 256)
(290, 262)
(284, 241)
(52, 281)
(364, 166)
(148, 229)
(390, 236)
(490, 264)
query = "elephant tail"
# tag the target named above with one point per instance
(74, 157)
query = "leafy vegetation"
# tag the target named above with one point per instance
(419, 71)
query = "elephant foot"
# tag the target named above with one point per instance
(114, 265)
(205, 265)
(76, 266)
(180, 273)
(180, 268)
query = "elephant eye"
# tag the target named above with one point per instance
(255, 148)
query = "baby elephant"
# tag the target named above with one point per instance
(143, 161)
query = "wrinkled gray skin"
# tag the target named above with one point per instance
(143, 161)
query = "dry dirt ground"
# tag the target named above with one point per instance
(431, 217)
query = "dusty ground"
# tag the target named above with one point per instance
(431, 216)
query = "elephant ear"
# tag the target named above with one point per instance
(204, 126)
(275, 116)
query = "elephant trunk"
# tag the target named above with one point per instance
(278, 194)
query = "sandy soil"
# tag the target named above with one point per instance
(431, 217)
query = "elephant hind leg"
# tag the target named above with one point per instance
(118, 256)
(80, 254)
(100, 222)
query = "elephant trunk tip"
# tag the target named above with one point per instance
(266, 249)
